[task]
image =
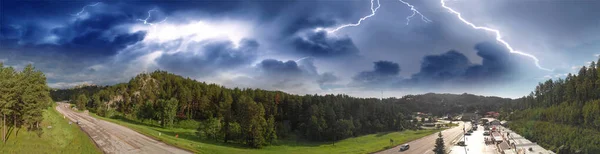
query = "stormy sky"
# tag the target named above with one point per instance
(285, 45)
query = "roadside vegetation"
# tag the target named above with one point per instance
(23, 97)
(55, 136)
(562, 115)
(188, 139)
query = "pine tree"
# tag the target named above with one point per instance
(8, 97)
(169, 110)
(81, 101)
(270, 131)
(439, 145)
(35, 97)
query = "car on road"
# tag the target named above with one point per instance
(461, 143)
(468, 133)
(404, 147)
(486, 133)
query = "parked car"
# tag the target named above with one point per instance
(486, 133)
(404, 147)
(461, 143)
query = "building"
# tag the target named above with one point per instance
(521, 145)
(492, 114)
(429, 125)
(495, 123)
(468, 116)
(504, 123)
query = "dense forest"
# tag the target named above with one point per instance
(248, 116)
(258, 117)
(562, 115)
(23, 97)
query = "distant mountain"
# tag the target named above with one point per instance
(443, 104)
(71, 93)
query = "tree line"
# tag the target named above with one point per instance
(253, 117)
(73, 93)
(23, 97)
(448, 104)
(562, 114)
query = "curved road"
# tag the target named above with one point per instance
(113, 138)
(425, 145)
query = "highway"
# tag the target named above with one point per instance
(113, 138)
(425, 145)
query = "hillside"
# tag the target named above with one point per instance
(558, 112)
(252, 117)
(443, 104)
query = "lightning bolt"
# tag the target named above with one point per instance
(302, 59)
(498, 36)
(150, 15)
(83, 9)
(373, 10)
(414, 12)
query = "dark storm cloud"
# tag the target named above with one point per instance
(496, 66)
(449, 67)
(264, 9)
(327, 77)
(319, 44)
(288, 74)
(446, 66)
(96, 36)
(275, 67)
(382, 69)
(64, 46)
(209, 57)
(297, 27)
(15, 10)
(30, 33)
(306, 22)
(383, 72)
(9, 32)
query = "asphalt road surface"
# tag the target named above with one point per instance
(475, 144)
(425, 145)
(113, 138)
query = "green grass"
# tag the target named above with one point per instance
(61, 138)
(188, 140)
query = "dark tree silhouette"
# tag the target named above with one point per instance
(439, 148)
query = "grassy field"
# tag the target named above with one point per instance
(61, 138)
(188, 140)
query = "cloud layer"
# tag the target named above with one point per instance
(281, 45)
